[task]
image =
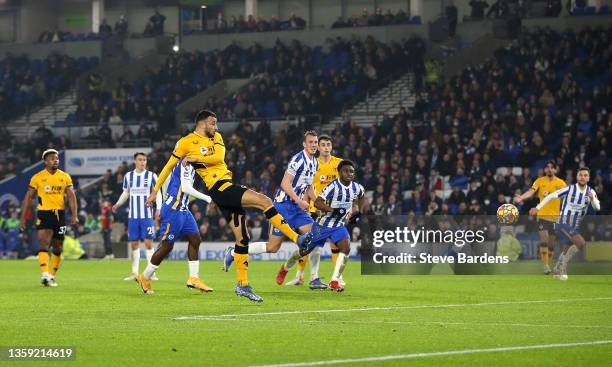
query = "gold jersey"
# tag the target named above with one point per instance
(326, 173)
(543, 187)
(50, 188)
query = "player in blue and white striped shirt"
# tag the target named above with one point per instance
(137, 186)
(336, 201)
(177, 221)
(576, 200)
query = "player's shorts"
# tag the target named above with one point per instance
(141, 229)
(228, 197)
(565, 232)
(295, 216)
(176, 224)
(335, 234)
(546, 225)
(54, 220)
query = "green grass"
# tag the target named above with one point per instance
(111, 323)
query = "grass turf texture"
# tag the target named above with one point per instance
(111, 322)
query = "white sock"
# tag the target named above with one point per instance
(45, 275)
(299, 274)
(257, 248)
(150, 269)
(315, 260)
(569, 254)
(194, 268)
(340, 264)
(149, 253)
(135, 260)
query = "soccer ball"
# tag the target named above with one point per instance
(507, 214)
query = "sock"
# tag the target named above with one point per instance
(551, 255)
(569, 254)
(295, 256)
(340, 264)
(55, 262)
(258, 248)
(544, 253)
(43, 261)
(315, 260)
(334, 256)
(194, 268)
(149, 253)
(149, 270)
(279, 222)
(241, 258)
(301, 265)
(136, 260)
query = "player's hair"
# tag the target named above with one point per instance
(345, 162)
(203, 115)
(584, 169)
(552, 163)
(140, 153)
(325, 137)
(310, 133)
(47, 152)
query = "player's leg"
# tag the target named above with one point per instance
(57, 243)
(544, 245)
(44, 241)
(135, 247)
(252, 199)
(578, 243)
(344, 247)
(304, 224)
(335, 251)
(192, 232)
(237, 223)
(147, 232)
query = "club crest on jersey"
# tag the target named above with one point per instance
(203, 150)
(323, 178)
(47, 188)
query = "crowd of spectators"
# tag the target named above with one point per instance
(26, 83)
(240, 24)
(378, 18)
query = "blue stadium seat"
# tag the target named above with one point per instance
(604, 10)
(590, 10)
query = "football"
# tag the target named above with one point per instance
(507, 214)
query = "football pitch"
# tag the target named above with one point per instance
(437, 320)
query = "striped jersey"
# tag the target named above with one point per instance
(575, 204)
(303, 170)
(176, 198)
(139, 186)
(338, 196)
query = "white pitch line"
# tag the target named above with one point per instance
(368, 309)
(435, 354)
(417, 323)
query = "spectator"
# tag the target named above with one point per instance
(478, 9)
(104, 29)
(121, 26)
(451, 16)
(106, 224)
(158, 20)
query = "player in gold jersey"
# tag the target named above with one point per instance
(50, 185)
(327, 172)
(205, 150)
(549, 214)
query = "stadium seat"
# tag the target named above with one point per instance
(604, 10)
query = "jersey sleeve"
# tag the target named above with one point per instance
(328, 192)
(34, 182)
(126, 187)
(536, 185)
(294, 166)
(360, 191)
(154, 182)
(68, 180)
(180, 149)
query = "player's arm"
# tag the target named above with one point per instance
(72, 203)
(322, 205)
(123, 197)
(27, 203)
(555, 195)
(310, 192)
(179, 152)
(187, 184)
(594, 200)
(525, 196)
(288, 189)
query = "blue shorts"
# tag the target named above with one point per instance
(141, 229)
(175, 224)
(565, 232)
(293, 215)
(335, 234)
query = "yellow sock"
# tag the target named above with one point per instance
(551, 255)
(43, 261)
(55, 262)
(279, 222)
(334, 258)
(302, 263)
(242, 266)
(544, 254)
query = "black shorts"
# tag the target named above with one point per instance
(546, 225)
(54, 220)
(228, 197)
